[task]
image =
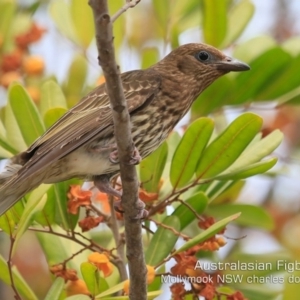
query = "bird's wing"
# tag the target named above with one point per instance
(88, 118)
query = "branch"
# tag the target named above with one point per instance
(9, 263)
(121, 118)
(129, 4)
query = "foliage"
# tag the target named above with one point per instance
(186, 183)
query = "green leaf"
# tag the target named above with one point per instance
(214, 97)
(35, 203)
(257, 151)
(258, 292)
(238, 18)
(251, 216)
(26, 113)
(151, 168)
(20, 284)
(52, 115)
(13, 132)
(92, 278)
(61, 14)
(119, 28)
(149, 57)
(228, 146)
(8, 10)
(62, 217)
(79, 297)
(289, 75)
(55, 248)
(52, 96)
(162, 11)
(83, 20)
(292, 46)
(248, 171)
(76, 79)
(55, 289)
(189, 151)
(214, 21)
(185, 213)
(291, 287)
(253, 48)
(208, 233)
(6, 146)
(250, 84)
(268, 259)
(116, 288)
(162, 242)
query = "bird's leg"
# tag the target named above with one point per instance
(102, 182)
(114, 157)
(134, 160)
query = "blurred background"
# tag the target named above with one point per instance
(53, 40)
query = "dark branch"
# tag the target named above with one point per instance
(133, 230)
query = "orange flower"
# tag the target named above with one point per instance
(150, 274)
(33, 65)
(150, 278)
(34, 34)
(126, 287)
(184, 262)
(208, 292)
(102, 198)
(61, 271)
(7, 78)
(78, 197)
(147, 197)
(178, 291)
(100, 80)
(207, 222)
(11, 61)
(89, 222)
(236, 296)
(34, 93)
(102, 262)
(77, 287)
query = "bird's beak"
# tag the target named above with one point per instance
(229, 64)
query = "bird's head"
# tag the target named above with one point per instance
(201, 62)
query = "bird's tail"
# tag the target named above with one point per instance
(12, 189)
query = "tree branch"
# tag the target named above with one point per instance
(121, 118)
(129, 4)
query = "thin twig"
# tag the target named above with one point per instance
(129, 4)
(9, 263)
(177, 233)
(92, 245)
(113, 224)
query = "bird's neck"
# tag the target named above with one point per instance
(180, 91)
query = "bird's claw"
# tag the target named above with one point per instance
(113, 157)
(142, 212)
(134, 160)
(118, 206)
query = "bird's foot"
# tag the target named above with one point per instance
(103, 185)
(142, 212)
(134, 160)
(136, 157)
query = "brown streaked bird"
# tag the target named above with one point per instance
(81, 143)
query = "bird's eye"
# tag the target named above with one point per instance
(202, 56)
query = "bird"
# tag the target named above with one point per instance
(81, 143)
